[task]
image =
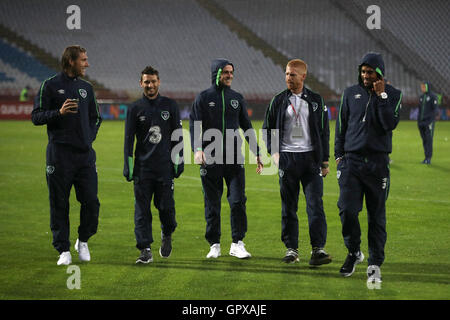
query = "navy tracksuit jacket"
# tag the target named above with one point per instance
(158, 159)
(428, 107)
(70, 157)
(363, 140)
(296, 167)
(219, 108)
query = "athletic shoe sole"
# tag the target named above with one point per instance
(285, 260)
(144, 262)
(165, 257)
(320, 262)
(242, 257)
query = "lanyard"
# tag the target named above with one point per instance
(296, 116)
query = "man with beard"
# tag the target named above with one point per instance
(66, 104)
(368, 113)
(152, 120)
(301, 117)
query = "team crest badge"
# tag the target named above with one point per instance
(203, 172)
(165, 115)
(281, 173)
(83, 93)
(338, 174)
(50, 169)
(234, 103)
(315, 106)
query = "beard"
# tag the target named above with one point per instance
(368, 85)
(151, 93)
(77, 71)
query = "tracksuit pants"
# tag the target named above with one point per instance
(360, 176)
(144, 190)
(296, 168)
(212, 177)
(426, 133)
(67, 167)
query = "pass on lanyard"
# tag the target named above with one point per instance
(297, 131)
(296, 116)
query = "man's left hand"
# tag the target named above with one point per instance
(378, 86)
(326, 170)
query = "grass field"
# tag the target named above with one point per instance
(417, 264)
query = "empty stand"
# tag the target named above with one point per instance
(180, 38)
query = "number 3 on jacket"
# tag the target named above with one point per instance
(154, 134)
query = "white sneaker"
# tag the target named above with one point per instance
(373, 274)
(83, 251)
(214, 252)
(65, 258)
(238, 250)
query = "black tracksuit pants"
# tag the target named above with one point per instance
(360, 176)
(212, 181)
(296, 168)
(426, 133)
(163, 190)
(67, 167)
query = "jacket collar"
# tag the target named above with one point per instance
(151, 100)
(65, 76)
(305, 95)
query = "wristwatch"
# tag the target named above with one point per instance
(383, 95)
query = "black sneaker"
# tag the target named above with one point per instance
(319, 257)
(351, 261)
(146, 256)
(166, 246)
(291, 256)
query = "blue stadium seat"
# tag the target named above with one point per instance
(23, 62)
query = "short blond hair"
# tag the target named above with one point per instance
(299, 64)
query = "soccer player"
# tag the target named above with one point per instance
(301, 155)
(66, 104)
(368, 113)
(152, 120)
(222, 110)
(428, 106)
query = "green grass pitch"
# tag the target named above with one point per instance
(417, 252)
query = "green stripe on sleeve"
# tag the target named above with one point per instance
(177, 159)
(42, 89)
(323, 110)
(398, 105)
(130, 166)
(340, 113)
